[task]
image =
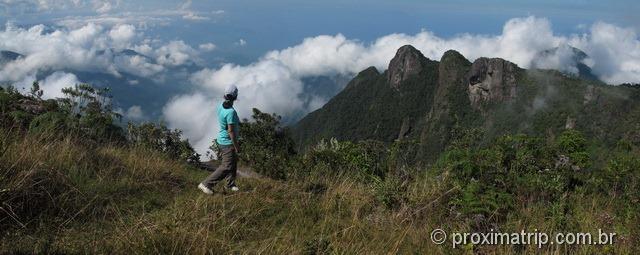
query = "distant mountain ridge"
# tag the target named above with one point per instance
(574, 56)
(129, 89)
(431, 102)
(8, 56)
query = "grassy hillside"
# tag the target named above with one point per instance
(64, 196)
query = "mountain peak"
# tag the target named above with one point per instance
(8, 56)
(492, 79)
(453, 55)
(408, 62)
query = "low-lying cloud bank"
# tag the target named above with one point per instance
(92, 48)
(273, 83)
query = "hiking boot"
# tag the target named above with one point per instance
(234, 188)
(204, 189)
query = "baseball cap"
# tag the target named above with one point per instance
(232, 90)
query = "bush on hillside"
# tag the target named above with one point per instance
(265, 145)
(160, 138)
(365, 159)
(93, 112)
(84, 111)
(490, 178)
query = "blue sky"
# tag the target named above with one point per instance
(276, 24)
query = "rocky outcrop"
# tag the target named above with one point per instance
(570, 123)
(405, 129)
(492, 80)
(31, 106)
(407, 63)
(590, 95)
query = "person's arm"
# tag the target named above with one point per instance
(234, 139)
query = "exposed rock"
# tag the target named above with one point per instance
(405, 129)
(408, 62)
(570, 123)
(31, 106)
(562, 161)
(589, 95)
(492, 80)
(565, 162)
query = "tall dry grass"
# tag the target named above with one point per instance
(65, 196)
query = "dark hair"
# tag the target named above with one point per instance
(228, 101)
(230, 97)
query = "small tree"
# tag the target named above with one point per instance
(36, 92)
(160, 138)
(266, 145)
(93, 111)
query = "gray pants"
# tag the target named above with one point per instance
(228, 167)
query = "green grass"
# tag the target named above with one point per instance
(69, 197)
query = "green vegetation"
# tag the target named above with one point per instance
(73, 181)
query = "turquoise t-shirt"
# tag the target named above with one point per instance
(226, 117)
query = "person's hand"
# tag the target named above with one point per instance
(236, 149)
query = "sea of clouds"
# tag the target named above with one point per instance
(273, 83)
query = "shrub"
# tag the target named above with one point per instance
(491, 177)
(51, 123)
(390, 192)
(266, 145)
(162, 139)
(364, 159)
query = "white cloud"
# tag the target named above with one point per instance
(198, 126)
(194, 17)
(139, 19)
(122, 34)
(31, 6)
(188, 14)
(614, 51)
(273, 83)
(241, 42)
(134, 113)
(186, 5)
(74, 49)
(52, 85)
(101, 6)
(89, 48)
(207, 47)
(137, 65)
(563, 59)
(175, 53)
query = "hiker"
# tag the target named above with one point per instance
(227, 143)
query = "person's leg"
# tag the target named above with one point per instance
(233, 170)
(227, 162)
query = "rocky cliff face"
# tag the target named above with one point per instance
(492, 80)
(407, 63)
(382, 106)
(454, 101)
